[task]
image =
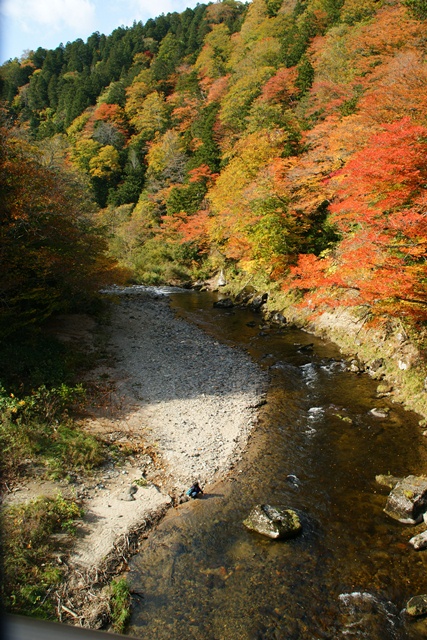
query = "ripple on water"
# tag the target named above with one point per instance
(226, 583)
(365, 615)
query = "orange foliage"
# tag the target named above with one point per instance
(218, 89)
(381, 211)
(202, 174)
(195, 228)
(186, 110)
(281, 87)
(398, 87)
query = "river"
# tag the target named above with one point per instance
(317, 449)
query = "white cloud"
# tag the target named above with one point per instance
(78, 15)
(144, 9)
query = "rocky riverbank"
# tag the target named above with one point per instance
(392, 352)
(185, 400)
(181, 406)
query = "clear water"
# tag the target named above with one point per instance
(203, 576)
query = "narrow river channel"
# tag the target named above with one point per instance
(203, 576)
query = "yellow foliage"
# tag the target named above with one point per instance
(105, 163)
(83, 151)
(163, 150)
(141, 86)
(215, 53)
(151, 116)
(79, 123)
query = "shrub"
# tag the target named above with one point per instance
(29, 574)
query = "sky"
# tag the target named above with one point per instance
(29, 24)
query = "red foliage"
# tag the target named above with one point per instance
(202, 174)
(381, 212)
(281, 87)
(388, 173)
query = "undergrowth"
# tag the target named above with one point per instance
(30, 573)
(120, 605)
(36, 429)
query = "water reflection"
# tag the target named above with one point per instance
(351, 572)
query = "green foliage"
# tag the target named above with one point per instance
(187, 198)
(169, 54)
(236, 104)
(158, 262)
(273, 6)
(36, 428)
(418, 8)
(29, 573)
(305, 75)
(43, 403)
(297, 36)
(356, 10)
(120, 605)
(208, 152)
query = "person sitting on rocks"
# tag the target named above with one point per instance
(194, 490)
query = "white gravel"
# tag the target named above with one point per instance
(190, 398)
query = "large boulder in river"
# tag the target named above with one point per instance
(407, 501)
(274, 522)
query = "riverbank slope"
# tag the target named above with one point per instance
(392, 351)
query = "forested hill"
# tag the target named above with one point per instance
(287, 139)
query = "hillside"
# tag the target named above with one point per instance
(282, 141)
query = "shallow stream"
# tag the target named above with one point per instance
(203, 576)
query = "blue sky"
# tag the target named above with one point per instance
(28, 24)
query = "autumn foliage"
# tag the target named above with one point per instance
(287, 139)
(52, 259)
(380, 211)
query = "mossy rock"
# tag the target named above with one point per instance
(417, 606)
(407, 501)
(274, 522)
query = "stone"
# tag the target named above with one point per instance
(407, 501)
(355, 366)
(128, 494)
(224, 303)
(306, 348)
(221, 279)
(258, 301)
(384, 389)
(380, 413)
(419, 541)
(375, 366)
(278, 318)
(274, 522)
(417, 606)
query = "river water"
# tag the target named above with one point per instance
(203, 576)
